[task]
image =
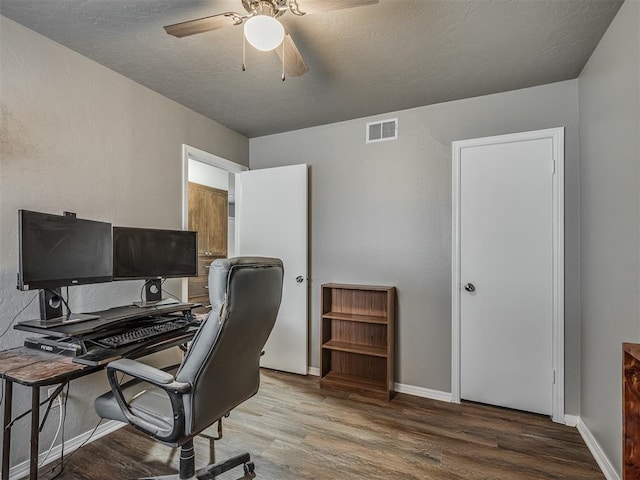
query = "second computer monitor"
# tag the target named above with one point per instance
(153, 254)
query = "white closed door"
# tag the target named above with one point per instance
(506, 274)
(271, 213)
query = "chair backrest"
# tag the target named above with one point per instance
(223, 361)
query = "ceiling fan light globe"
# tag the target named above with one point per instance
(263, 32)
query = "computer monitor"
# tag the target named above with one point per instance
(154, 254)
(55, 251)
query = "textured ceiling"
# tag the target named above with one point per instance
(363, 61)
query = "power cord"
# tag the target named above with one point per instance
(63, 414)
(172, 295)
(56, 394)
(66, 304)
(55, 437)
(61, 421)
(62, 463)
(17, 315)
(142, 290)
(49, 400)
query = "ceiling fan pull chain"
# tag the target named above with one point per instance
(244, 53)
(283, 77)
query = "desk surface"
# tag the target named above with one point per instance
(32, 367)
(107, 318)
(35, 368)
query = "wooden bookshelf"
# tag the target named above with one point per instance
(357, 340)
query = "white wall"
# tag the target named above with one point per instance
(609, 99)
(381, 214)
(77, 136)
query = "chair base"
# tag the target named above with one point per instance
(210, 472)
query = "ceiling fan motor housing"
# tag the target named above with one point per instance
(271, 8)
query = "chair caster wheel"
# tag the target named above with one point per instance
(249, 468)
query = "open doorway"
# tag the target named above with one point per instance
(267, 217)
(208, 207)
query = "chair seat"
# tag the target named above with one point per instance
(151, 404)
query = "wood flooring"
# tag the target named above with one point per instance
(295, 431)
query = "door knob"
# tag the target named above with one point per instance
(470, 287)
(299, 279)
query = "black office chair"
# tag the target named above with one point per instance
(219, 371)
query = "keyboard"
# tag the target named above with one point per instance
(142, 334)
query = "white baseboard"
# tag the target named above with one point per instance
(408, 389)
(423, 392)
(22, 469)
(594, 447)
(571, 420)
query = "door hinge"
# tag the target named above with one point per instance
(554, 378)
(553, 167)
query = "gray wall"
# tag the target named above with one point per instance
(76, 136)
(609, 102)
(381, 214)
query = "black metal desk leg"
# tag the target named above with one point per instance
(6, 432)
(35, 423)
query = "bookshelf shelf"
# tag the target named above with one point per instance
(357, 346)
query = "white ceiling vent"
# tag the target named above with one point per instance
(382, 130)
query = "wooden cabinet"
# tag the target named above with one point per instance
(199, 286)
(208, 215)
(630, 411)
(357, 350)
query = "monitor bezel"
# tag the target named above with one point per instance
(118, 278)
(58, 282)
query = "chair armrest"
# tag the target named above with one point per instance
(149, 374)
(154, 376)
(141, 370)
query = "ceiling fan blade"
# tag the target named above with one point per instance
(205, 24)
(294, 64)
(315, 6)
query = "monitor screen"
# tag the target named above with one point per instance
(143, 253)
(58, 250)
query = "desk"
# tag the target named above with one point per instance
(33, 368)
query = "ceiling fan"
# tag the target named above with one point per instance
(263, 30)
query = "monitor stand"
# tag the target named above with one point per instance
(50, 304)
(157, 303)
(63, 320)
(51, 310)
(153, 295)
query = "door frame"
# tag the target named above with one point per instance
(557, 137)
(189, 152)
